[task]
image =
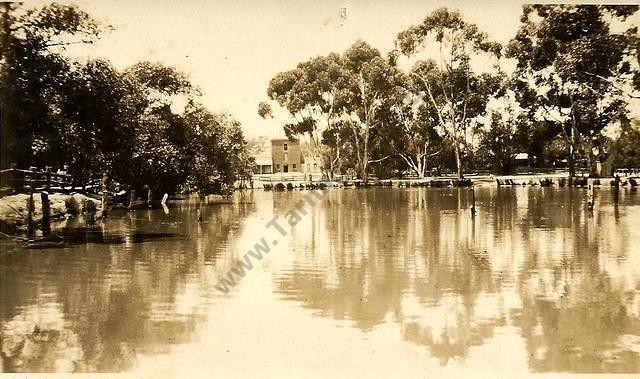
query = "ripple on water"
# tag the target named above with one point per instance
(534, 282)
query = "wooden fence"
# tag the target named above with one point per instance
(294, 177)
(14, 180)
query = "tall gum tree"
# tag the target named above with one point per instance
(457, 93)
(372, 84)
(309, 94)
(412, 130)
(577, 70)
(326, 94)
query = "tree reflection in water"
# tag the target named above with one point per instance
(533, 260)
(534, 282)
(95, 306)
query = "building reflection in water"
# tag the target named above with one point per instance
(534, 267)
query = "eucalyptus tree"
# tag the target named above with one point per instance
(577, 68)
(327, 94)
(309, 92)
(456, 92)
(371, 85)
(339, 139)
(412, 131)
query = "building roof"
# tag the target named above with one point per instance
(522, 156)
(264, 162)
(263, 159)
(284, 140)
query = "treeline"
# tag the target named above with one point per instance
(447, 96)
(142, 126)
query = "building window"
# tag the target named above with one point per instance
(286, 147)
(315, 165)
(294, 166)
(286, 157)
(278, 166)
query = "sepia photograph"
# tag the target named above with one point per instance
(319, 189)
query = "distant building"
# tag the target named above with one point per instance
(312, 165)
(522, 160)
(286, 155)
(522, 157)
(264, 164)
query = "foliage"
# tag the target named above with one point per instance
(97, 120)
(309, 93)
(33, 78)
(264, 110)
(372, 84)
(336, 100)
(574, 70)
(411, 130)
(626, 149)
(455, 92)
(221, 157)
(497, 146)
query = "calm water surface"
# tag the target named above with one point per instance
(371, 282)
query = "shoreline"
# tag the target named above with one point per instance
(14, 212)
(534, 179)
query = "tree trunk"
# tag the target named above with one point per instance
(46, 214)
(103, 193)
(338, 165)
(571, 160)
(364, 170)
(458, 160)
(572, 144)
(365, 156)
(422, 164)
(572, 164)
(591, 159)
(30, 210)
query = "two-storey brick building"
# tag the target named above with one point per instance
(286, 155)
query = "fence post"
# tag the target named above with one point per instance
(12, 177)
(68, 180)
(30, 206)
(46, 214)
(103, 185)
(473, 200)
(132, 198)
(47, 177)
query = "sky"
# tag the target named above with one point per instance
(230, 49)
